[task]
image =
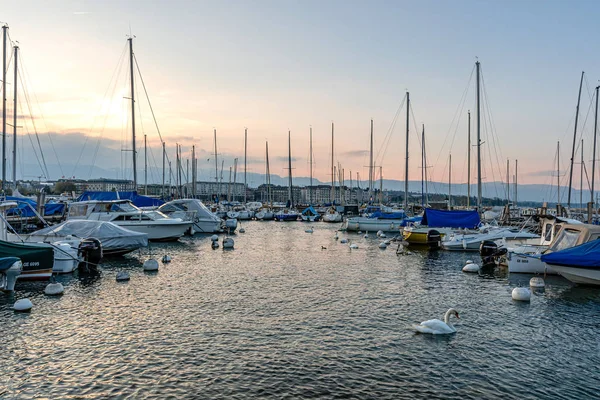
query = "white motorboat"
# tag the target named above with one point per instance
(193, 210)
(332, 215)
(123, 213)
(472, 241)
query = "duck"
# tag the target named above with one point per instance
(437, 327)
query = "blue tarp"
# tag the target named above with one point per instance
(310, 211)
(136, 199)
(586, 255)
(451, 218)
(412, 220)
(24, 210)
(384, 215)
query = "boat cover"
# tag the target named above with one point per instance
(136, 199)
(309, 211)
(586, 255)
(112, 237)
(23, 208)
(390, 215)
(451, 218)
(7, 262)
(32, 257)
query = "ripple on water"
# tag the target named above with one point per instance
(281, 317)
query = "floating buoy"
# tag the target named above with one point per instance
(228, 243)
(122, 276)
(23, 305)
(54, 289)
(537, 282)
(388, 242)
(215, 245)
(344, 241)
(360, 232)
(521, 294)
(366, 236)
(471, 267)
(382, 235)
(214, 238)
(382, 245)
(379, 233)
(151, 265)
(310, 230)
(166, 259)
(242, 230)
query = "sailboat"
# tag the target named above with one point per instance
(288, 214)
(309, 214)
(266, 213)
(332, 215)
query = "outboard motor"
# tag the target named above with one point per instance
(10, 269)
(90, 250)
(434, 239)
(489, 251)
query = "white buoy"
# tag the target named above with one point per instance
(242, 230)
(166, 259)
(382, 245)
(344, 241)
(379, 233)
(366, 236)
(388, 242)
(470, 262)
(382, 235)
(471, 267)
(23, 305)
(228, 243)
(309, 230)
(537, 282)
(215, 245)
(54, 289)
(521, 294)
(360, 232)
(214, 238)
(122, 276)
(151, 265)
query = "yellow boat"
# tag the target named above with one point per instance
(418, 234)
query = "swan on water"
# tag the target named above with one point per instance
(23, 305)
(379, 233)
(360, 232)
(309, 230)
(521, 294)
(353, 245)
(344, 241)
(336, 237)
(366, 236)
(437, 327)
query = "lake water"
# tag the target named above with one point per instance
(280, 317)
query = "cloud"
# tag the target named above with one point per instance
(355, 153)
(81, 12)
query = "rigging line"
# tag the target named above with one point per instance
(26, 95)
(493, 131)
(388, 135)
(30, 139)
(149, 104)
(26, 73)
(110, 83)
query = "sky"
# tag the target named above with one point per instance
(279, 66)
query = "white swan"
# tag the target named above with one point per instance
(352, 245)
(437, 327)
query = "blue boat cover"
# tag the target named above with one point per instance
(23, 209)
(384, 215)
(451, 218)
(412, 220)
(136, 199)
(586, 255)
(309, 211)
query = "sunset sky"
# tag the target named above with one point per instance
(274, 66)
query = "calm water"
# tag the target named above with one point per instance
(280, 317)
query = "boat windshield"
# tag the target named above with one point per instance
(123, 207)
(566, 239)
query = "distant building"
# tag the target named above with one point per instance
(109, 185)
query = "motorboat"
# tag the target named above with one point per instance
(286, 215)
(309, 214)
(332, 215)
(123, 213)
(440, 223)
(575, 254)
(116, 240)
(472, 241)
(204, 221)
(377, 218)
(264, 214)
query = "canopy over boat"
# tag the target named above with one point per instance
(468, 219)
(310, 211)
(586, 255)
(136, 199)
(26, 207)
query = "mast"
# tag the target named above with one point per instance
(516, 182)
(170, 183)
(217, 169)
(235, 162)
(558, 173)
(14, 171)
(594, 150)
(4, 34)
(581, 178)
(194, 166)
(332, 195)
(164, 154)
(574, 139)
(423, 167)
(245, 161)
(311, 172)
(229, 187)
(450, 181)
(132, 113)
(221, 180)
(290, 193)
(371, 164)
(478, 140)
(380, 184)
(268, 177)
(406, 165)
(469, 161)
(145, 166)
(507, 181)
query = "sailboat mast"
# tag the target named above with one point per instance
(594, 148)
(450, 181)
(291, 196)
(507, 181)
(371, 164)
(516, 182)
(269, 197)
(145, 166)
(574, 139)
(423, 167)
(164, 155)
(233, 191)
(406, 164)
(245, 161)
(134, 154)
(310, 189)
(558, 173)
(332, 195)
(14, 171)
(478, 65)
(380, 184)
(4, 34)
(469, 160)
(217, 169)
(194, 165)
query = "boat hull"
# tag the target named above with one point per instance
(159, 232)
(582, 276)
(522, 264)
(373, 225)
